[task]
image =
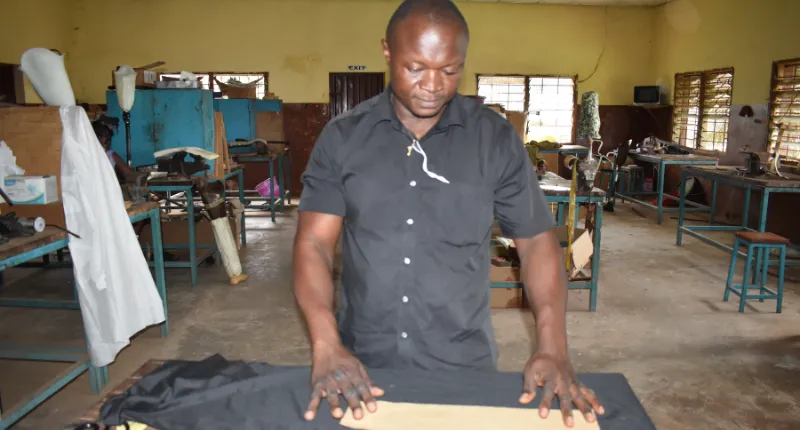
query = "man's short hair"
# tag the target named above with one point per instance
(438, 11)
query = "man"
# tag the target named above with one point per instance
(104, 129)
(412, 181)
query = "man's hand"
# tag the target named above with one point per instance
(558, 378)
(336, 372)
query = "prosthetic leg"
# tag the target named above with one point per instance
(217, 212)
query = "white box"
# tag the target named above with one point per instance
(31, 190)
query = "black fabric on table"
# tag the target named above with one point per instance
(219, 394)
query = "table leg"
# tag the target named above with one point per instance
(560, 214)
(746, 213)
(713, 207)
(158, 260)
(681, 207)
(598, 227)
(288, 178)
(762, 217)
(240, 177)
(272, 188)
(280, 181)
(661, 168)
(192, 238)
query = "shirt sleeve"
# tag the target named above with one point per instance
(322, 183)
(520, 206)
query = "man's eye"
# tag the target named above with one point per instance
(414, 70)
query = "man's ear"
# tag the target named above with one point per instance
(387, 55)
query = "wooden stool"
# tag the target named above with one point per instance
(758, 246)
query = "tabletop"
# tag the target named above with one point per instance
(672, 157)
(142, 208)
(184, 181)
(554, 185)
(733, 173)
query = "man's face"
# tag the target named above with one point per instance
(426, 61)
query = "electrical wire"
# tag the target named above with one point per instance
(602, 52)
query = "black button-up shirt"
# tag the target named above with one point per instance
(417, 227)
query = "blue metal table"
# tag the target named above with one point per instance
(21, 250)
(661, 161)
(556, 190)
(284, 166)
(183, 187)
(729, 175)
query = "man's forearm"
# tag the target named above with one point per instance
(313, 290)
(546, 287)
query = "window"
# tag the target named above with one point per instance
(211, 78)
(784, 107)
(701, 109)
(549, 102)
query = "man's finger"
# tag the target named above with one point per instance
(547, 399)
(313, 404)
(565, 401)
(584, 407)
(335, 403)
(590, 397)
(373, 389)
(353, 401)
(527, 396)
(366, 395)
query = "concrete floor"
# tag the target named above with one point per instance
(693, 360)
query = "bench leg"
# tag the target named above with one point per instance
(746, 278)
(764, 273)
(781, 268)
(731, 270)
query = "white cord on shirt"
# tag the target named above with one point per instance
(418, 148)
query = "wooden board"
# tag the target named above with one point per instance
(34, 135)
(402, 416)
(731, 173)
(672, 157)
(220, 146)
(21, 245)
(269, 126)
(554, 185)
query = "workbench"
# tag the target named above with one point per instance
(576, 150)
(730, 175)
(183, 187)
(20, 250)
(556, 190)
(259, 395)
(660, 162)
(284, 166)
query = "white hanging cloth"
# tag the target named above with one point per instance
(117, 294)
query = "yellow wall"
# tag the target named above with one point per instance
(28, 24)
(747, 35)
(300, 41)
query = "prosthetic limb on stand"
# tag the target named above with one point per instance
(217, 211)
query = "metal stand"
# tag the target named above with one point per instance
(126, 117)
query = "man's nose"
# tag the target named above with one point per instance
(432, 81)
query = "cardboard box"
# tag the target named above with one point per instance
(144, 78)
(31, 190)
(518, 120)
(508, 298)
(269, 126)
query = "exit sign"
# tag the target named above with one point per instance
(357, 68)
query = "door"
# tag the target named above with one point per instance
(349, 89)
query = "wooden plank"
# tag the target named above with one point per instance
(554, 185)
(142, 208)
(673, 157)
(732, 173)
(20, 245)
(93, 414)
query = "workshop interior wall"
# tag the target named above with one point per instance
(300, 42)
(692, 35)
(28, 24)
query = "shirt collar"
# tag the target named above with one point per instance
(384, 111)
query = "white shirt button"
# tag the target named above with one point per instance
(413, 183)
(409, 221)
(405, 299)
(407, 260)
(404, 335)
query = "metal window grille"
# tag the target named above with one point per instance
(785, 107)
(549, 102)
(702, 107)
(209, 79)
